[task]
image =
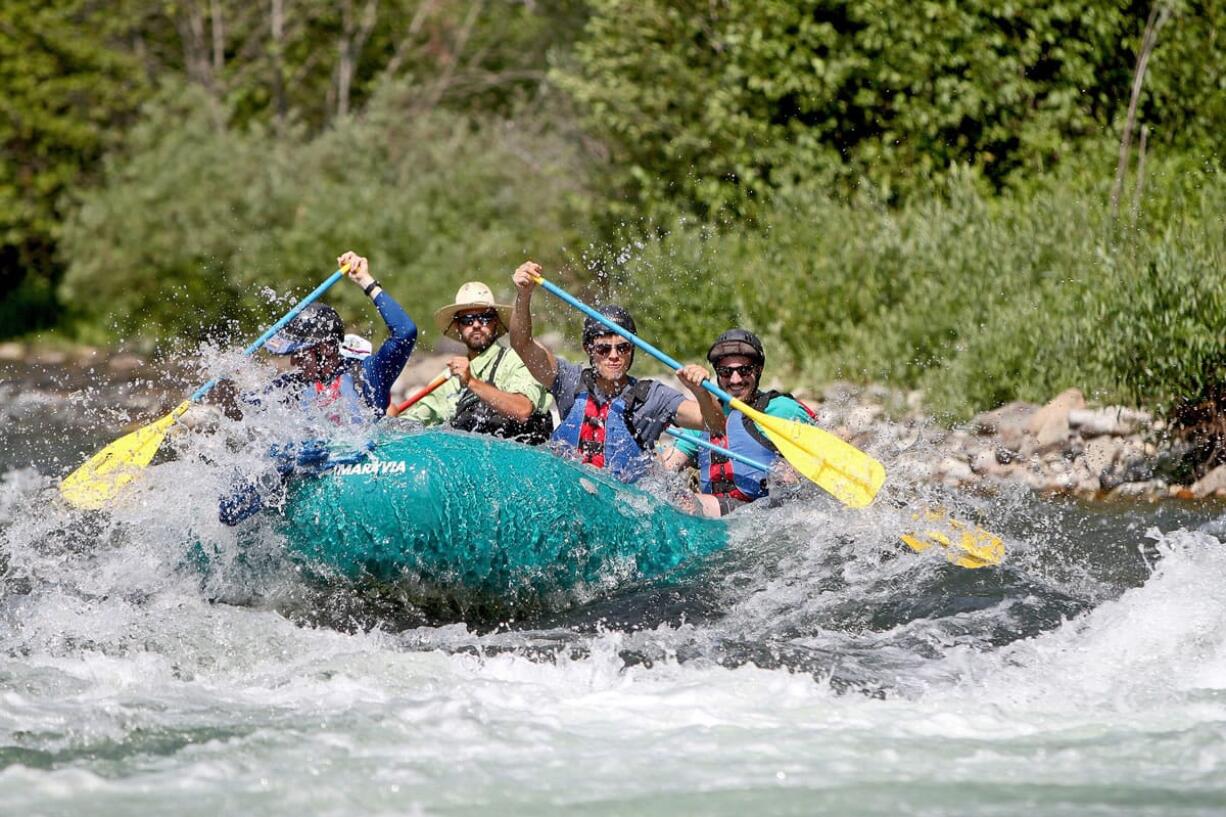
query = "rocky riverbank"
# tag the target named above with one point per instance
(1067, 446)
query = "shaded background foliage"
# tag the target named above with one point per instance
(914, 192)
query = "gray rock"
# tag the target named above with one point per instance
(1211, 484)
(1089, 486)
(1115, 421)
(1050, 424)
(955, 470)
(1100, 454)
(1149, 488)
(984, 461)
(1008, 422)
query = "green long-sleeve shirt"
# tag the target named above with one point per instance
(512, 377)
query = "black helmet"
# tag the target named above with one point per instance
(318, 323)
(737, 342)
(593, 328)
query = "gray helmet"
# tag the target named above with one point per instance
(318, 323)
(593, 328)
(737, 342)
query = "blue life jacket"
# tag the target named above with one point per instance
(723, 476)
(611, 440)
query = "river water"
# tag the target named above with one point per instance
(813, 668)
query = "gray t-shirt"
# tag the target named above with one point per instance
(652, 416)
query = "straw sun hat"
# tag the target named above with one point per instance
(473, 295)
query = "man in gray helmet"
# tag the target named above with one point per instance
(727, 484)
(610, 420)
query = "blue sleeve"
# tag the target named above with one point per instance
(244, 501)
(381, 369)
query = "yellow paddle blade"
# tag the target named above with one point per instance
(965, 546)
(104, 474)
(841, 469)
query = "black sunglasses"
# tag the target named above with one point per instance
(603, 349)
(745, 370)
(485, 318)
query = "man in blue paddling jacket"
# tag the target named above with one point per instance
(610, 420)
(327, 381)
(727, 484)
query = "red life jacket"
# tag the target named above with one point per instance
(592, 431)
(326, 396)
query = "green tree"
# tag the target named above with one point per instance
(713, 107)
(196, 226)
(65, 95)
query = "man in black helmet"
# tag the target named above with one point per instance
(727, 484)
(609, 419)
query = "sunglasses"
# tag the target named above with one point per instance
(745, 371)
(483, 318)
(604, 349)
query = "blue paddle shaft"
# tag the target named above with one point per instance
(274, 329)
(727, 452)
(637, 341)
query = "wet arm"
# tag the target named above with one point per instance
(701, 413)
(384, 366)
(539, 361)
(516, 406)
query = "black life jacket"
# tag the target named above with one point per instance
(474, 414)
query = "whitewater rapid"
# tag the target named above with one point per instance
(815, 668)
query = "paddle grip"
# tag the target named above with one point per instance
(274, 329)
(664, 358)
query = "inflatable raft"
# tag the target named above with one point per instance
(456, 511)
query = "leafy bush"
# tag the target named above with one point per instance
(977, 299)
(194, 222)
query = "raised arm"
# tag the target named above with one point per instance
(383, 367)
(539, 361)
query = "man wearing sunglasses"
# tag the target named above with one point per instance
(490, 391)
(610, 420)
(726, 484)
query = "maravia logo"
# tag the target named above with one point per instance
(371, 468)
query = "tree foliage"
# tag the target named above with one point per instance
(192, 232)
(73, 73)
(65, 93)
(976, 298)
(711, 106)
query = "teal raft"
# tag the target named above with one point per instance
(464, 512)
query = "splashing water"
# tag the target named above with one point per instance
(813, 667)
